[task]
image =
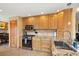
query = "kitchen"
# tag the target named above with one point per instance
(39, 32)
(43, 32)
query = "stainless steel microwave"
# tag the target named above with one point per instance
(29, 27)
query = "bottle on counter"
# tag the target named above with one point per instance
(75, 44)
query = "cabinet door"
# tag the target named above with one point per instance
(61, 20)
(43, 24)
(13, 34)
(60, 25)
(45, 44)
(36, 43)
(60, 34)
(53, 21)
(67, 19)
(37, 22)
(28, 21)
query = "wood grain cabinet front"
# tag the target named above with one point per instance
(43, 22)
(41, 43)
(36, 45)
(53, 21)
(60, 16)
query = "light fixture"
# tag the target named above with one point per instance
(0, 10)
(29, 14)
(78, 9)
(69, 23)
(42, 12)
(58, 10)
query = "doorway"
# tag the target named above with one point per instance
(4, 35)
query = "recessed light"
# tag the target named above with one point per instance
(29, 14)
(58, 10)
(42, 12)
(0, 10)
(77, 9)
(69, 23)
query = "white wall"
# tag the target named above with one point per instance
(77, 21)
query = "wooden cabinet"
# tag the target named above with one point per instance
(41, 43)
(24, 20)
(30, 21)
(36, 43)
(60, 20)
(67, 19)
(46, 44)
(36, 22)
(43, 22)
(39, 22)
(60, 34)
(64, 17)
(60, 28)
(53, 21)
(57, 21)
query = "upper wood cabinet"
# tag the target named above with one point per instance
(28, 21)
(60, 16)
(53, 21)
(57, 21)
(43, 22)
(36, 22)
(67, 19)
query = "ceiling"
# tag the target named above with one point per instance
(25, 9)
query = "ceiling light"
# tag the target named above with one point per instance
(58, 10)
(69, 23)
(77, 9)
(29, 14)
(0, 10)
(42, 12)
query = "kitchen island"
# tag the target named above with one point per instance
(44, 42)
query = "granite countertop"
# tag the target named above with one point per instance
(64, 52)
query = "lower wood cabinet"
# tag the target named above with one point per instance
(46, 44)
(42, 44)
(36, 45)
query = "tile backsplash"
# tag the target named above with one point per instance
(42, 33)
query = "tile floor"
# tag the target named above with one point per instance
(21, 52)
(24, 52)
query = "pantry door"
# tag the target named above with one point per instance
(13, 33)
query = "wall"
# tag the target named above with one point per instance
(77, 21)
(19, 32)
(73, 27)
